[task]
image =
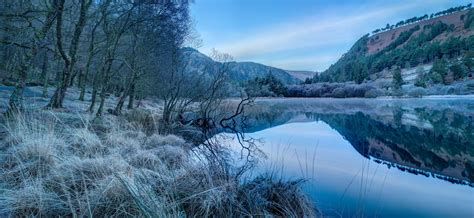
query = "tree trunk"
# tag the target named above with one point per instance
(44, 76)
(125, 93)
(83, 87)
(15, 103)
(93, 99)
(58, 96)
(80, 79)
(73, 76)
(101, 104)
(95, 84)
(105, 82)
(131, 97)
(56, 100)
(120, 103)
(139, 102)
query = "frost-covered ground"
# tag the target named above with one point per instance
(68, 163)
(34, 100)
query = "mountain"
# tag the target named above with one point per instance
(238, 71)
(445, 39)
(302, 75)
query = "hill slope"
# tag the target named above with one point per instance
(448, 37)
(379, 41)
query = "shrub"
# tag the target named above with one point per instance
(374, 93)
(338, 93)
(417, 92)
(396, 92)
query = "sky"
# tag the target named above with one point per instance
(297, 34)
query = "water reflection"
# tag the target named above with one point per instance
(374, 157)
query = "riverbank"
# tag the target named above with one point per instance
(69, 163)
(367, 90)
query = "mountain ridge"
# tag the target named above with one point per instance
(238, 71)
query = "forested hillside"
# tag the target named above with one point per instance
(445, 38)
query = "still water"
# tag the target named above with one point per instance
(372, 157)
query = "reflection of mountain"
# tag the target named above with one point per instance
(413, 139)
(437, 151)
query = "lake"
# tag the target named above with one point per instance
(372, 157)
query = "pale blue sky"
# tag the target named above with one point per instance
(298, 34)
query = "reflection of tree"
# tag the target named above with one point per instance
(453, 130)
(397, 116)
(448, 144)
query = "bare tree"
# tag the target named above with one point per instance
(27, 57)
(57, 99)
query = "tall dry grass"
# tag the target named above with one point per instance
(110, 167)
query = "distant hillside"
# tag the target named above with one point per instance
(302, 75)
(446, 39)
(455, 21)
(238, 71)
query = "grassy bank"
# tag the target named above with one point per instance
(66, 163)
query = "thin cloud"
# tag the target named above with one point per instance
(308, 32)
(315, 42)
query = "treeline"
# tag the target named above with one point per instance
(270, 86)
(334, 90)
(266, 86)
(405, 51)
(424, 17)
(130, 49)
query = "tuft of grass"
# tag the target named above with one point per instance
(157, 140)
(82, 142)
(276, 197)
(27, 161)
(31, 200)
(146, 160)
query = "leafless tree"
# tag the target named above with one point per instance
(35, 34)
(70, 58)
